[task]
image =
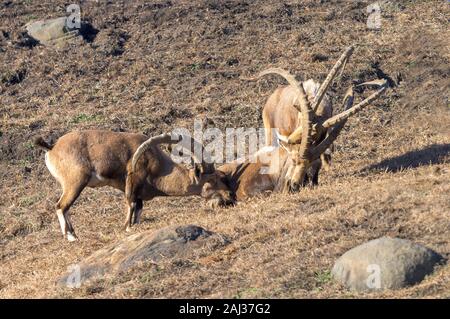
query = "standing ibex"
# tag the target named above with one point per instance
(132, 163)
(286, 168)
(281, 116)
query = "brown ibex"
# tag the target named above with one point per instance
(132, 163)
(286, 169)
(281, 115)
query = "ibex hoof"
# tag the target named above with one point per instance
(71, 237)
(292, 187)
(128, 229)
(220, 202)
(214, 203)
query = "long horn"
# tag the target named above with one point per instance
(304, 107)
(167, 138)
(334, 132)
(355, 109)
(164, 138)
(331, 75)
(293, 82)
(296, 136)
(305, 144)
(337, 123)
(302, 100)
(284, 73)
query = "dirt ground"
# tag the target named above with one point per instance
(155, 66)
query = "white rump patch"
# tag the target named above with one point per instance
(52, 168)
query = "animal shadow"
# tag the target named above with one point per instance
(433, 154)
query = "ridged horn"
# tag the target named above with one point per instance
(331, 75)
(358, 107)
(293, 82)
(167, 138)
(337, 123)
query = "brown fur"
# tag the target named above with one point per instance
(245, 178)
(98, 158)
(279, 112)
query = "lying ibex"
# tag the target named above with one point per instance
(286, 168)
(132, 163)
(281, 116)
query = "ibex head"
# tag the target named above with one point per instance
(203, 179)
(315, 134)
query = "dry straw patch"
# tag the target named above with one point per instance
(390, 173)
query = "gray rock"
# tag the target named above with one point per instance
(51, 32)
(151, 247)
(384, 263)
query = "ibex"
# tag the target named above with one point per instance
(286, 169)
(281, 116)
(132, 163)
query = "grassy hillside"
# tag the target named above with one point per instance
(153, 67)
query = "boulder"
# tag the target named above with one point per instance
(384, 263)
(52, 31)
(151, 246)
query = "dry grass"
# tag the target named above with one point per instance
(390, 172)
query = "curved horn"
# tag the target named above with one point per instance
(358, 107)
(293, 82)
(297, 134)
(331, 75)
(334, 132)
(304, 107)
(285, 74)
(306, 112)
(164, 138)
(337, 122)
(167, 138)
